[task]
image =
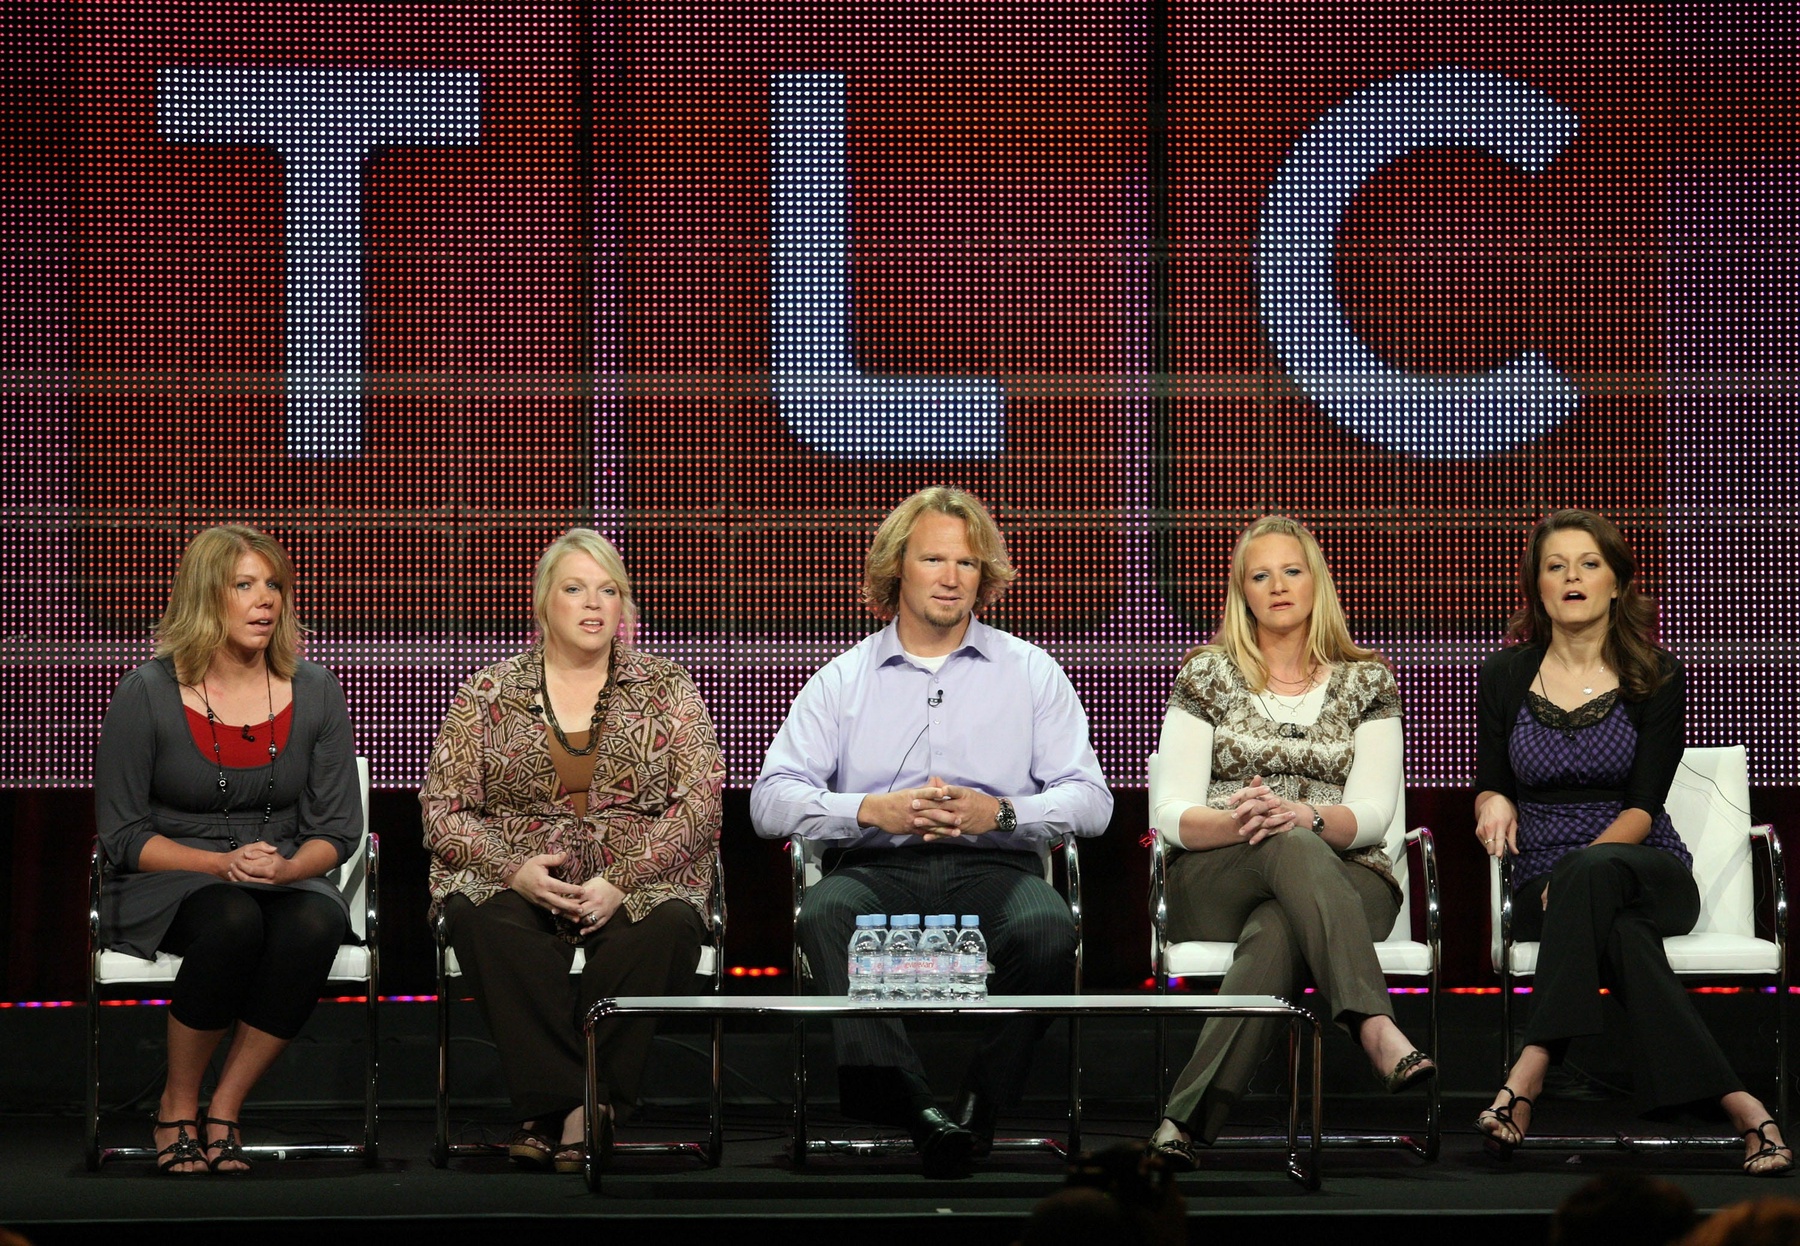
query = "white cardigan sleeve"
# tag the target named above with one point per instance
(1180, 773)
(1374, 781)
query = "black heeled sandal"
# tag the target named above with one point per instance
(1176, 1153)
(184, 1150)
(1768, 1149)
(1493, 1143)
(229, 1148)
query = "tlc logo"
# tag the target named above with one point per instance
(325, 124)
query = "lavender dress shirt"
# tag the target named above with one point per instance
(1008, 722)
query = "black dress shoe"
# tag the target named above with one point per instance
(977, 1113)
(943, 1145)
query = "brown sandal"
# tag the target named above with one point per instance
(529, 1149)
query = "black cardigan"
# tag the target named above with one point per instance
(1507, 676)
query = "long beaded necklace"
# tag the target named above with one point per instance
(212, 726)
(599, 708)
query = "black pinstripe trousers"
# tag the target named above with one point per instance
(1030, 937)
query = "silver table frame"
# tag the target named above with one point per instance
(827, 1008)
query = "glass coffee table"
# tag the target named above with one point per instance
(1302, 1161)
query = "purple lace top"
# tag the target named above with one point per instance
(1591, 746)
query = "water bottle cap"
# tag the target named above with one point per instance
(903, 919)
(970, 919)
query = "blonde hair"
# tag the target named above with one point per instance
(881, 570)
(193, 627)
(1327, 632)
(595, 546)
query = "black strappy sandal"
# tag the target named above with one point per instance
(1493, 1143)
(184, 1150)
(229, 1148)
(1768, 1149)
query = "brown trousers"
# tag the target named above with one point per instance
(1300, 915)
(519, 973)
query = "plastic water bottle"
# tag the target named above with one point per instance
(867, 964)
(901, 983)
(970, 979)
(937, 948)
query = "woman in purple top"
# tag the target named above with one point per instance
(1580, 732)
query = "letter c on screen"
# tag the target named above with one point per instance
(1433, 417)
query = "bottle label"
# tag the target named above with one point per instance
(971, 962)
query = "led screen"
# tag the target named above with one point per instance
(415, 287)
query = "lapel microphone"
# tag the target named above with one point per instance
(935, 701)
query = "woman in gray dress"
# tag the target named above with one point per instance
(225, 789)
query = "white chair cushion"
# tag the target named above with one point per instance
(1404, 958)
(709, 956)
(1399, 957)
(1709, 803)
(351, 964)
(1709, 954)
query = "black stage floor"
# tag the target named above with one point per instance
(46, 1193)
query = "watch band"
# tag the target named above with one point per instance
(1006, 818)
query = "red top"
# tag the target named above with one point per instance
(234, 750)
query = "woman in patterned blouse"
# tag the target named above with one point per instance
(573, 802)
(1580, 735)
(1275, 783)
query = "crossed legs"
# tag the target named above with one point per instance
(1298, 913)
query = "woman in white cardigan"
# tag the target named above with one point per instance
(1278, 768)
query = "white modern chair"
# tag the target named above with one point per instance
(806, 859)
(1709, 804)
(1402, 955)
(357, 965)
(711, 969)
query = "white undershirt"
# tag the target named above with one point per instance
(934, 665)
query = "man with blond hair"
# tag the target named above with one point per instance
(936, 758)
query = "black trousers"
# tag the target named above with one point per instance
(1611, 906)
(1031, 947)
(519, 972)
(252, 954)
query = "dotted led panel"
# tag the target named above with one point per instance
(415, 287)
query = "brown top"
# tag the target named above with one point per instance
(574, 775)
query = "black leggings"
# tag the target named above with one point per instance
(252, 954)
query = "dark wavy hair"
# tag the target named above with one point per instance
(1630, 647)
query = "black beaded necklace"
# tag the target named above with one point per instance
(599, 707)
(212, 726)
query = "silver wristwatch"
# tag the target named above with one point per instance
(1318, 823)
(1006, 818)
